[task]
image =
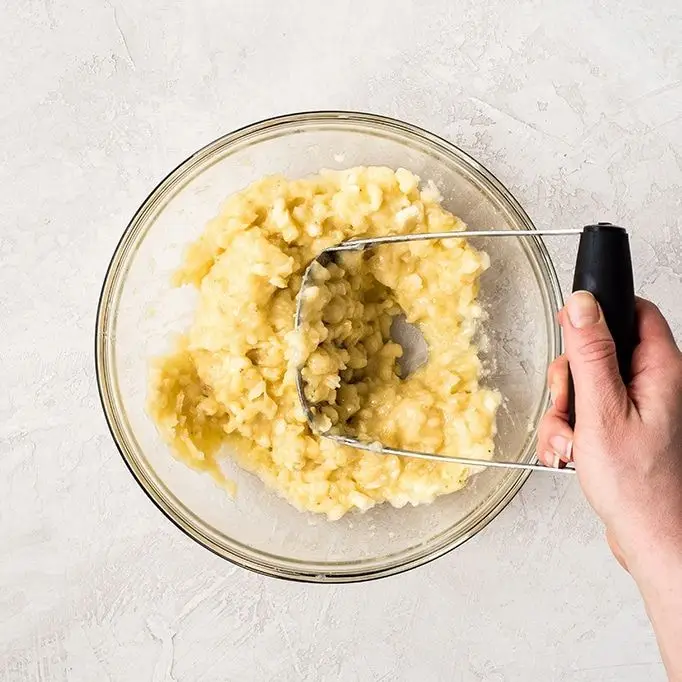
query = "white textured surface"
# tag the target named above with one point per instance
(576, 105)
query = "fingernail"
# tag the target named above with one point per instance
(548, 458)
(582, 309)
(562, 447)
(553, 394)
(555, 462)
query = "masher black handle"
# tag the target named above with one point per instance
(604, 268)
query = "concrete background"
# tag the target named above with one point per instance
(576, 105)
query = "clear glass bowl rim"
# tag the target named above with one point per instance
(169, 505)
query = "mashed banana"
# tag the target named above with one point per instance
(231, 379)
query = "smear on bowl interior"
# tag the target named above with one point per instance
(230, 378)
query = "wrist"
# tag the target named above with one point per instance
(657, 570)
(656, 562)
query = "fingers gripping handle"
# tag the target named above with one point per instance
(604, 268)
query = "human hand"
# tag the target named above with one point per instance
(627, 449)
(627, 442)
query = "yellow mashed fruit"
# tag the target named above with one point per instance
(231, 380)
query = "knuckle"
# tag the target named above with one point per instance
(654, 308)
(556, 364)
(557, 370)
(543, 428)
(597, 349)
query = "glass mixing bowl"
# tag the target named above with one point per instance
(139, 313)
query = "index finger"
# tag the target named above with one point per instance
(652, 326)
(656, 349)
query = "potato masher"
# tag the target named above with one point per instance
(603, 267)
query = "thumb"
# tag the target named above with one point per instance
(591, 353)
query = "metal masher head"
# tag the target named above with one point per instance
(318, 426)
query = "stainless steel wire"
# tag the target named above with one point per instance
(377, 448)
